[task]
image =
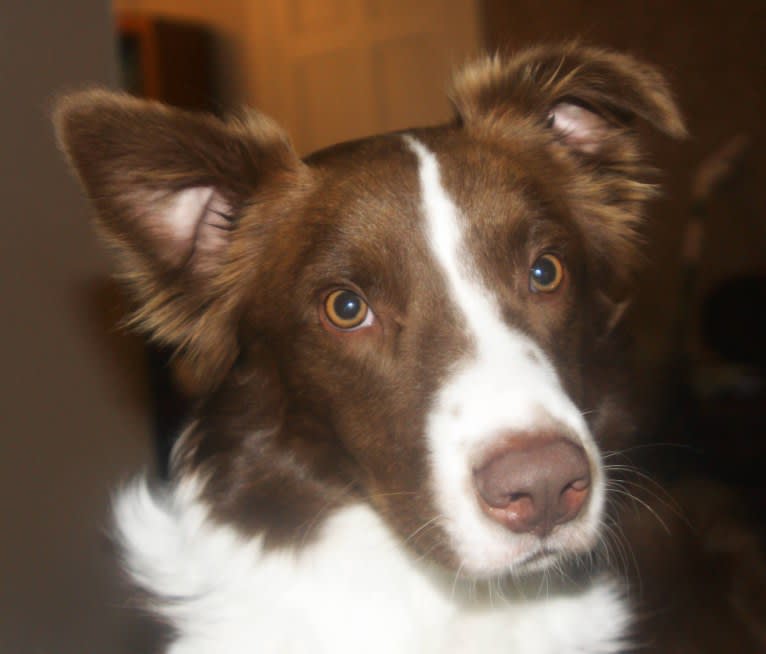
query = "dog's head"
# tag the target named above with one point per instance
(417, 320)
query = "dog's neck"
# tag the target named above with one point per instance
(354, 588)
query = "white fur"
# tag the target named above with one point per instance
(356, 589)
(505, 384)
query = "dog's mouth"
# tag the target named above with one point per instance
(488, 552)
(542, 558)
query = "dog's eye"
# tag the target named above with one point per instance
(346, 310)
(546, 274)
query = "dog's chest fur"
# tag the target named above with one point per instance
(355, 589)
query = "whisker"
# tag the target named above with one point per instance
(426, 525)
(646, 506)
(455, 579)
(614, 539)
(645, 446)
(309, 527)
(372, 496)
(647, 484)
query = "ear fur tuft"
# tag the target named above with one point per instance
(533, 81)
(169, 187)
(578, 102)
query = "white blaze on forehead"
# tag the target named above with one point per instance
(505, 384)
(443, 225)
(444, 236)
(496, 344)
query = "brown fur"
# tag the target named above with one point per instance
(510, 99)
(697, 571)
(131, 155)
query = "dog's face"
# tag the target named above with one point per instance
(416, 320)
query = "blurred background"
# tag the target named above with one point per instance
(84, 406)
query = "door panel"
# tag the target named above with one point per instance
(332, 70)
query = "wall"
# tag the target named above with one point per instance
(228, 20)
(72, 422)
(332, 70)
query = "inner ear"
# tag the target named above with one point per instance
(196, 223)
(170, 188)
(580, 127)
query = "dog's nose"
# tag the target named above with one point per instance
(534, 483)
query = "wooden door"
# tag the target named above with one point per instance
(333, 70)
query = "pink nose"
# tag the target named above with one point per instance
(534, 483)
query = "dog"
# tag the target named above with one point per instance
(406, 355)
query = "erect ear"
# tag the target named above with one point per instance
(586, 96)
(169, 187)
(580, 103)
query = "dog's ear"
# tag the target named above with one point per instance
(168, 187)
(586, 97)
(580, 103)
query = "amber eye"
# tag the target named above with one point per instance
(346, 310)
(546, 274)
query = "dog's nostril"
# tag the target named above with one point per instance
(534, 483)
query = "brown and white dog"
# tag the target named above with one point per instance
(404, 345)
